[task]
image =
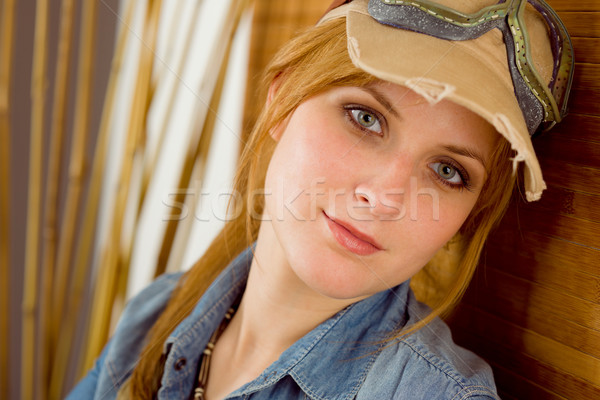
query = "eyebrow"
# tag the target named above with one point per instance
(382, 99)
(466, 152)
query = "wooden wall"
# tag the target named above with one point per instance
(533, 310)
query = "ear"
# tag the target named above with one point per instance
(274, 87)
(276, 131)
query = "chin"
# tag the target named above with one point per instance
(335, 277)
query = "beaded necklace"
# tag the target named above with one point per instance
(206, 356)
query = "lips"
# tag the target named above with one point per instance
(351, 238)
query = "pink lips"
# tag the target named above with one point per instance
(352, 239)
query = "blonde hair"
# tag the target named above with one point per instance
(308, 65)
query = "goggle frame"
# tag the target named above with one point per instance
(542, 105)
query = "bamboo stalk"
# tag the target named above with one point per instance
(151, 161)
(194, 166)
(130, 220)
(147, 165)
(77, 159)
(38, 90)
(57, 132)
(178, 16)
(82, 255)
(105, 290)
(6, 53)
(197, 155)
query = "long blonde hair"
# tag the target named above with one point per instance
(308, 65)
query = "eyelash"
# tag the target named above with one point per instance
(380, 118)
(464, 176)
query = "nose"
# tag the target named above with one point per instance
(383, 204)
(384, 189)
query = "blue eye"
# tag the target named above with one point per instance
(448, 173)
(366, 120)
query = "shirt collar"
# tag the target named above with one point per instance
(332, 360)
(346, 345)
(213, 305)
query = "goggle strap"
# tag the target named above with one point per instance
(562, 50)
(529, 104)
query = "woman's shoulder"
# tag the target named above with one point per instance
(139, 315)
(429, 365)
(151, 300)
(115, 364)
(141, 312)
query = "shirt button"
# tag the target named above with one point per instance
(179, 364)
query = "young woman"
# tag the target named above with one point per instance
(388, 145)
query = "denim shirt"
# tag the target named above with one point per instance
(342, 358)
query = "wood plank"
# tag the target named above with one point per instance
(519, 387)
(573, 229)
(298, 14)
(571, 176)
(586, 49)
(570, 5)
(585, 100)
(577, 230)
(571, 334)
(582, 24)
(577, 126)
(545, 250)
(529, 343)
(548, 376)
(506, 396)
(587, 75)
(562, 201)
(274, 23)
(528, 297)
(567, 202)
(553, 275)
(586, 88)
(572, 151)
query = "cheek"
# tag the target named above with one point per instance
(296, 166)
(435, 221)
(308, 150)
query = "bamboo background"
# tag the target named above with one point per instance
(533, 310)
(7, 12)
(79, 55)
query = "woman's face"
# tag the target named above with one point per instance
(366, 184)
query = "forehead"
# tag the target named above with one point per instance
(444, 121)
(426, 94)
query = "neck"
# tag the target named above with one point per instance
(277, 308)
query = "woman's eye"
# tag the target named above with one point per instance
(366, 119)
(448, 173)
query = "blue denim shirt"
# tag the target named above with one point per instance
(342, 358)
